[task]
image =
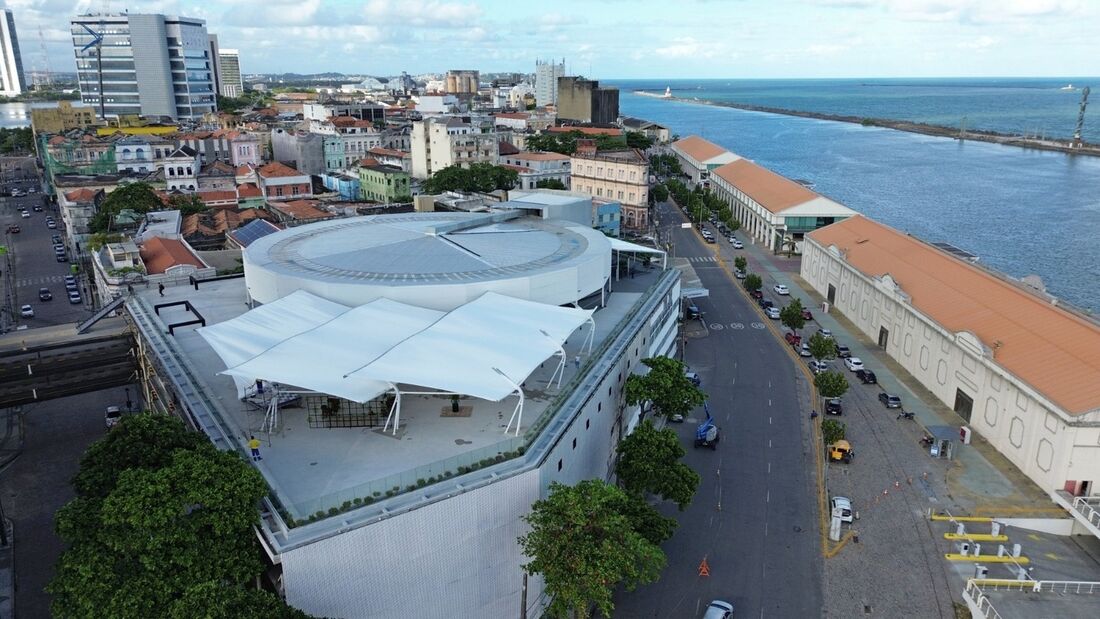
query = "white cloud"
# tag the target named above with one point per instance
(980, 43)
(688, 47)
(430, 13)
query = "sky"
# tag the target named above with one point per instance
(620, 38)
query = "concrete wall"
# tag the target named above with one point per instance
(1044, 442)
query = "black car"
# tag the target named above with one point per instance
(37, 209)
(692, 311)
(765, 303)
(867, 377)
(56, 238)
(61, 257)
(833, 406)
(842, 352)
(44, 294)
(890, 401)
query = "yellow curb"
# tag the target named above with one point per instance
(944, 517)
(976, 537)
(951, 556)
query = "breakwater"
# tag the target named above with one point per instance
(1063, 146)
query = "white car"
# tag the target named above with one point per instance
(781, 289)
(719, 609)
(805, 350)
(25, 215)
(739, 274)
(112, 416)
(772, 312)
(854, 364)
(826, 333)
(26, 311)
(818, 367)
(841, 507)
(736, 244)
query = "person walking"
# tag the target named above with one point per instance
(577, 361)
(254, 445)
(160, 289)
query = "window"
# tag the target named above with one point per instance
(599, 191)
(620, 195)
(278, 191)
(294, 190)
(559, 465)
(632, 174)
(631, 196)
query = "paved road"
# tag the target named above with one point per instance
(30, 263)
(34, 486)
(755, 515)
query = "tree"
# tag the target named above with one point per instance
(821, 347)
(831, 384)
(659, 193)
(741, 263)
(480, 177)
(211, 600)
(832, 431)
(550, 183)
(649, 463)
(789, 244)
(665, 387)
(138, 197)
(187, 204)
(584, 546)
(159, 511)
(638, 140)
(753, 282)
(791, 315)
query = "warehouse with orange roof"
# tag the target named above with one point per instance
(1021, 370)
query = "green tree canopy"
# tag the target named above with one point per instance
(660, 193)
(665, 387)
(753, 282)
(212, 600)
(832, 431)
(159, 511)
(638, 140)
(138, 197)
(550, 183)
(831, 384)
(16, 140)
(822, 347)
(649, 463)
(585, 546)
(187, 204)
(791, 315)
(480, 177)
(741, 263)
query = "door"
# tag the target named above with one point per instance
(883, 337)
(964, 404)
(831, 295)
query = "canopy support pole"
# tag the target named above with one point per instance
(559, 371)
(591, 335)
(394, 408)
(271, 418)
(517, 413)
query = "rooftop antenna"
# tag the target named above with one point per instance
(97, 43)
(1081, 117)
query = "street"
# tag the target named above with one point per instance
(755, 516)
(30, 263)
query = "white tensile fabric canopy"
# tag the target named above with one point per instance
(250, 334)
(621, 245)
(485, 349)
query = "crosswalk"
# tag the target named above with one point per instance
(702, 259)
(39, 281)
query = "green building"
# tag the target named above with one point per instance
(383, 183)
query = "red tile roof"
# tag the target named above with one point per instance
(249, 190)
(300, 210)
(84, 194)
(513, 115)
(517, 168)
(697, 148)
(506, 148)
(774, 192)
(388, 152)
(540, 156)
(276, 169)
(161, 254)
(217, 196)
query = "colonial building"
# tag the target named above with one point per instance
(618, 175)
(537, 166)
(1018, 369)
(280, 182)
(383, 183)
(698, 157)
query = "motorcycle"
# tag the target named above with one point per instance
(906, 415)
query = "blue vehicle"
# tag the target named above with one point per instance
(707, 434)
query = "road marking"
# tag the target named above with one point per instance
(768, 497)
(769, 442)
(765, 528)
(769, 404)
(769, 418)
(757, 325)
(717, 326)
(769, 467)
(737, 325)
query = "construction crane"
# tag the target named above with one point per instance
(97, 43)
(1081, 117)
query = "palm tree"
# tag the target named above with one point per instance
(788, 243)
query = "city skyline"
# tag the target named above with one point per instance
(697, 39)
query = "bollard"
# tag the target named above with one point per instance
(1000, 550)
(1016, 550)
(964, 549)
(980, 571)
(977, 550)
(996, 528)
(960, 529)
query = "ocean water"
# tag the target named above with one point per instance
(1021, 211)
(1018, 106)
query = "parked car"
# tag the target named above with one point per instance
(818, 367)
(833, 406)
(112, 416)
(854, 364)
(25, 214)
(737, 244)
(56, 238)
(70, 279)
(71, 287)
(44, 294)
(842, 351)
(74, 298)
(804, 350)
(825, 333)
(739, 274)
(772, 312)
(781, 290)
(26, 311)
(792, 338)
(765, 303)
(37, 208)
(841, 507)
(867, 377)
(757, 294)
(51, 225)
(806, 314)
(14, 229)
(890, 401)
(692, 311)
(719, 610)
(709, 239)
(693, 377)
(61, 257)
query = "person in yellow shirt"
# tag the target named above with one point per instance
(254, 445)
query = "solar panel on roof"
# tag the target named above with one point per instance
(253, 230)
(955, 251)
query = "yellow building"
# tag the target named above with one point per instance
(62, 118)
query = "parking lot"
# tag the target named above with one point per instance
(31, 262)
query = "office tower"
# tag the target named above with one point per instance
(229, 73)
(152, 65)
(11, 67)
